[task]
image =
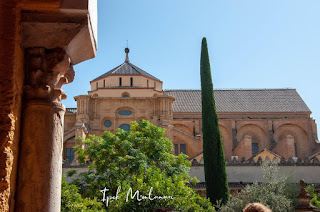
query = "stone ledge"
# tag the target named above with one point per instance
(291, 162)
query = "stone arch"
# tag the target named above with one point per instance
(184, 128)
(257, 134)
(227, 142)
(95, 95)
(70, 140)
(155, 95)
(125, 95)
(141, 118)
(299, 135)
(260, 124)
(69, 134)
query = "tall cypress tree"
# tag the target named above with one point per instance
(214, 161)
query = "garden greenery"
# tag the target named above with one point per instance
(276, 192)
(315, 197)
(140, 160)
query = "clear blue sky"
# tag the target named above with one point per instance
(252, 44)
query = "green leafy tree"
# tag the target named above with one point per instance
(71, 200)
(139, 159)
(214, 161)
(315, 197)
(276, 191)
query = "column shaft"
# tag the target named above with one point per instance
(40, 163)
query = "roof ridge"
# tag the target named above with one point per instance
(232, 89)
(136, 68)
(117, 68)
(124, 69)
(258, 100)
(182, 90)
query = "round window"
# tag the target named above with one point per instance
(125, 112)
(125, 127)
(107, 123)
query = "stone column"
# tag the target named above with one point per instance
(41, 143)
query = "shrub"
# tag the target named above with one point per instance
(138, 159)
(276, 192)
(316, 197)
(71, 200)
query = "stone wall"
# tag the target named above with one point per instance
(274, 134)
(92, 112)
(250, 171)
(283, 136)
(138, 81)
(11, 81)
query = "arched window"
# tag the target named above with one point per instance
(125, 95)
(125, 127)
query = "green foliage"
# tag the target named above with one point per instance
(275, 191)
(316, 197)
(71, 200)
(138, 159)
(214, 161)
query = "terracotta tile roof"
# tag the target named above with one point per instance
(126, 68)
(241, 101)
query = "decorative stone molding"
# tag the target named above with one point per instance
(250, 162)
(46, 71)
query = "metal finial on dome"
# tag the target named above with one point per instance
(127, 50)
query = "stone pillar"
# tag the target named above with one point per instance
(285, 147)
(41, 143)
(166, 114)
(234, 133)
(11, 79)
(244, 148)
(271, 134)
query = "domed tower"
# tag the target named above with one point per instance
(121, 95)
(126, 80)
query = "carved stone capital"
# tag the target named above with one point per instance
(46, 71)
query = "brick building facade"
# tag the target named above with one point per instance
(251, 121)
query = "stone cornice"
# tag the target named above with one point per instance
(177, 115)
